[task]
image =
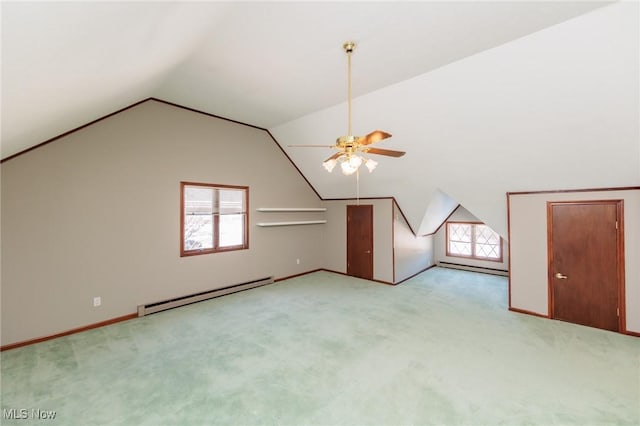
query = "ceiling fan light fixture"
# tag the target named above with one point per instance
(350, 147)
(330, 164)
(371, 164)
(355, 161)
(347, 168)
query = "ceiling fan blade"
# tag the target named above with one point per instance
(334, 156)
(311, 146)
(387, 152)
(373, 137)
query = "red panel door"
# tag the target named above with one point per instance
(584, 262)
(360, 241)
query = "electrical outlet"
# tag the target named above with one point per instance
(297, 261)
(97, 301)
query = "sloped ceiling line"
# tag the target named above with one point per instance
(175, 105)
(445, 220)
(111, 114)
(67, 133)
(294, 164)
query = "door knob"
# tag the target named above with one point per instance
(368, 251)
(559, 276)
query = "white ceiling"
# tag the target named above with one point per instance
(264, 63)
(280, 66)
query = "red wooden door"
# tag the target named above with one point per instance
(585, 262)
(360, 241)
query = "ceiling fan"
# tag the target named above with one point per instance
(350, 148)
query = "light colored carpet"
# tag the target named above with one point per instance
(326, 349)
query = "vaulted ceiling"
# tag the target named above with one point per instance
(272, 65)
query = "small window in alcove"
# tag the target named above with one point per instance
(474, 241)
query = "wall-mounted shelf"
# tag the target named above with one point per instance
(299, 222)
(291, 209)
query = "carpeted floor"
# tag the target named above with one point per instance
(325, 349)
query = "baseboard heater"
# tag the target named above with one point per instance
(474, 268)
(152, 308)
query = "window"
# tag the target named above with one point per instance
(213, 218)
(473, 240)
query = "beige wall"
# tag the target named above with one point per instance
(96, 213)
(411, 254)
(440, 242)
(528, 245)
(335, 234)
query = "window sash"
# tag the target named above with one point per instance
(213, 217)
